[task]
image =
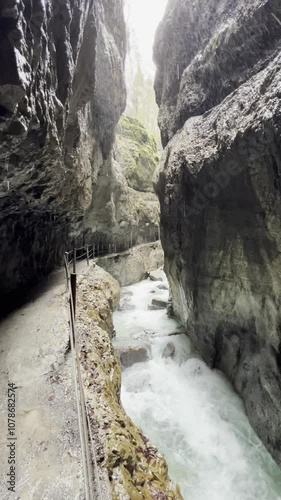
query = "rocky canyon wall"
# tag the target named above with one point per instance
(125, 208)
(218, 86)
(62, 93)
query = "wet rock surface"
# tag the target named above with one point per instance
(125, 208)
(163, 287)
(157, 304)
(199, 57)
(169, 351)
(160, 303)
(62, 92)
(133, 266)
(155, 276)
(132, 355)
(219, 190)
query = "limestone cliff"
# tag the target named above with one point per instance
(125, 208)
(61, 95)
(137, 154)
(218, 88)
(126, 459)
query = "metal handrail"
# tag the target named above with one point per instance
(85, 430)
(79, 400)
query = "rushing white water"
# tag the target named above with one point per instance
(191, 413)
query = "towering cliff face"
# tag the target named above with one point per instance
(61, 95)
(218, 86)
(125, 208)
(137, 154)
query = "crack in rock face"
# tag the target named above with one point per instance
(218, 88)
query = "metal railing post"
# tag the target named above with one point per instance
(66, 260)
(74, 261)
(87, 252)
(73, 282)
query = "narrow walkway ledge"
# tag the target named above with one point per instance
(35, 356)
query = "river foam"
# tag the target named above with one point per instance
(191, 413)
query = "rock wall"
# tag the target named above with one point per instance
(126, 459)
(61, 95)
(125, 208)
(132, 266)
(218, 88)
(137, 154)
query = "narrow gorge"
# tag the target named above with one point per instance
(140, 282)
(62, 92)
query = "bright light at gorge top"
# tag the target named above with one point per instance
(143, 17)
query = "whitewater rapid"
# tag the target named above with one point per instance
(190, 412)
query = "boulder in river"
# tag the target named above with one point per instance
(132, 355)
(170, 308)
(157, 304)
(163, 287)
(169, 351)
(154, 276)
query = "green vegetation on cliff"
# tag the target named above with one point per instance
(137, 153)
(125, 204)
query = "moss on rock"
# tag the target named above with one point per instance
(136, 153)
(135, 469)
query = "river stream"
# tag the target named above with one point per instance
(188, 411)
